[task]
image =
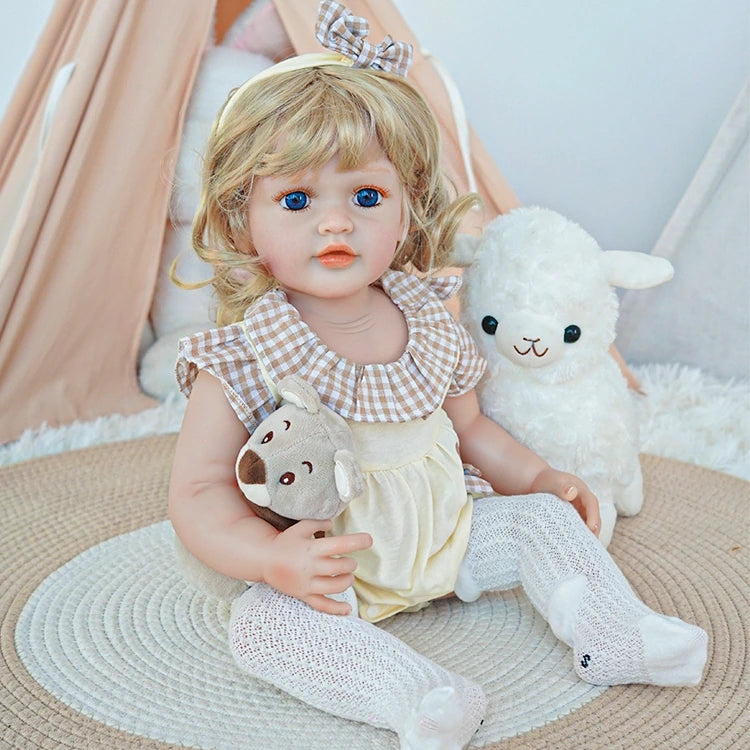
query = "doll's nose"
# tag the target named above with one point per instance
(335, 220)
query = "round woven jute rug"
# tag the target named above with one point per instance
(104, 646)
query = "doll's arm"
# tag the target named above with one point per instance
(511, 468)
(216, 524)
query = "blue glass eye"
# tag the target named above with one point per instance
(296, 200)
(368, 197)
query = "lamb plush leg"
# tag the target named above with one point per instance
(609, 518)
(629, 499)
(540, 542)
(353, 669)
(601, 486)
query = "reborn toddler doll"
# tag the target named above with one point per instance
(322, 194)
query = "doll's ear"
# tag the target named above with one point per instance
(464, 251)
(631, 270)
(301, 394)
(348, 475)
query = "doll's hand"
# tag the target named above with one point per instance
(308, 568)
(573, 490)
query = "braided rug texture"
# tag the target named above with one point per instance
(132, 658)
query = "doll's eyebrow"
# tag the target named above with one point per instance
(309, 466)
(287, 425)
(374, 166)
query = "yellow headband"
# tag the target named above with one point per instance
(309, 60)
(341, 31)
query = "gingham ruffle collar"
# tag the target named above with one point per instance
(373, 392)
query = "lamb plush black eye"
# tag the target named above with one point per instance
(572, 334)
(489, 325)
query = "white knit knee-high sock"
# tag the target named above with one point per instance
(353, 669)
(540, 542)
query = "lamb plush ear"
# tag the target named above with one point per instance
(465, 248)
(300, 393)
(348, 475)
(635, 270)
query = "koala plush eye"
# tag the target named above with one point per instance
(268, 437)
(489, 325)
(572, 334)
(287, 478)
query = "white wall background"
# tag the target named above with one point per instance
(602, 110)
(21, 22)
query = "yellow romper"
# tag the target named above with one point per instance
(417, 510)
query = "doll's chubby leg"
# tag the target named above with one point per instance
(353, 669)
(540, 542)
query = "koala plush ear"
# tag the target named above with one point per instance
(349, 480)
(635, 270)
(300, 393)
(465, 248)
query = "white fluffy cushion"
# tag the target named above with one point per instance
(221, 70)
(176, 312)
(174, 307)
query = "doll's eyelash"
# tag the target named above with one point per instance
(385, 193)
(308, 192)
(288, 191)
(369, 196)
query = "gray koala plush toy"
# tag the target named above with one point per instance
(299, 463)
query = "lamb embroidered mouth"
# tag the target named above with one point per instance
(337, 256)
(531, 348)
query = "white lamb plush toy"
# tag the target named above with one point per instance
(538, 299)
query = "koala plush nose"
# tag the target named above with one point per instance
(251, 469)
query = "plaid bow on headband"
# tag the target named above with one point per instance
(339, 30)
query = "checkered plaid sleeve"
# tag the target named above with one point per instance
(476, 484)
(224, 353)
(470, 366)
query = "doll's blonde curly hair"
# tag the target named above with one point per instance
(299, 120)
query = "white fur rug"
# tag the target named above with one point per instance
(686, 415)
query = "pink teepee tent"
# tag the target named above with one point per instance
(86, 160)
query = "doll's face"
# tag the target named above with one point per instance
(328, 233)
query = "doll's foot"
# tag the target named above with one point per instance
(653, 649)
(441, 722)
(675, 651)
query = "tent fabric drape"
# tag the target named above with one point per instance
(83, 214)
(299, 16)
(702, 317)
(82, 217)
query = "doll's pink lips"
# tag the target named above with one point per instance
(336, 256)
